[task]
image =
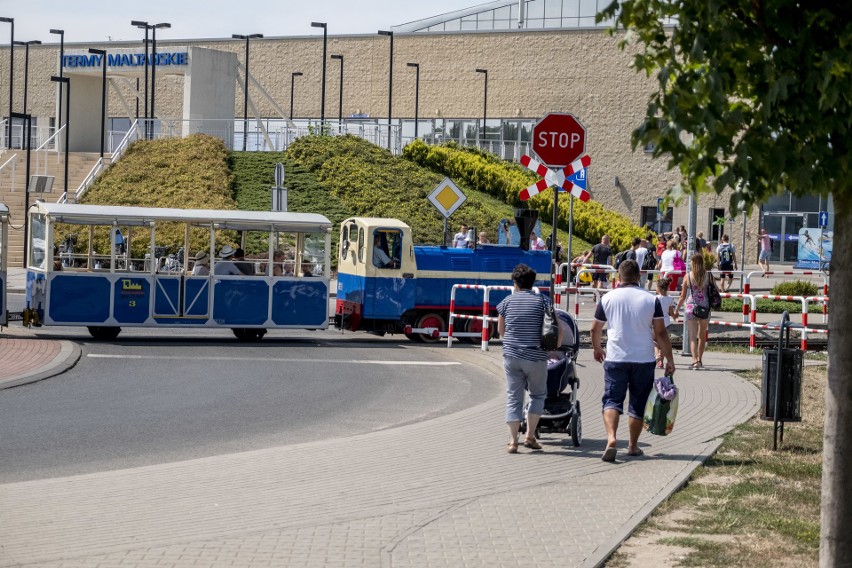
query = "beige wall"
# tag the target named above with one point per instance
(530, 73)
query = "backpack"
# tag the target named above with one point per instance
(621, 257)
(650, 262)
(726, 254)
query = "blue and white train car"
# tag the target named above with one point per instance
(115, 287)
(385, 284)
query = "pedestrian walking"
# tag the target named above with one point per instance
(765, 250)
(669, 314)
(670, 261)
(601, 254)
(634, 320)
(695, 294)
(520, 320)
(727, 262)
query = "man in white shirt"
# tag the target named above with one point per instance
(635, 320)
(460, 240)
(536, 243)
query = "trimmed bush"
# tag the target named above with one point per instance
(489, 174)
(796, 288)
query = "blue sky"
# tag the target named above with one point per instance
(99, 20)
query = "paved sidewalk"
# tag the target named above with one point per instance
(436, 493)
(26, 359)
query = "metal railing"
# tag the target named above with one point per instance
(132, 135)
(11, 163)
(41, 153)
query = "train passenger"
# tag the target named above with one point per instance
(483, 238)
(202, 264)
(226, 266)
(460, 240)
(244, 266)
(307, 269)
(381, 259)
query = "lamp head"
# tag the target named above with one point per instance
(58, 32)
(340, 57)
(7, 20)
(482, 71)
(56, 79)
(97, 51)
(162, 25)
(385, 33)
(413, 64)
(296, 73)
(318, 25)
(139, 23)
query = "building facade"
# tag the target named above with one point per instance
(552, 64)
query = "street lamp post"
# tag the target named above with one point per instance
(390, 83)
(29, 122)
(246, 85)
(67, 83)
(340, 101)
(154, 28)
(10, 21)
(324, 27)
(144, 25)
(485, 103)
(27, 45)
(293, 76)
(61, 34)
(416, 97)
(103, 54)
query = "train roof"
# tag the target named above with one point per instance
(383, 222)
(140, 216)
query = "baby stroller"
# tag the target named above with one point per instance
(561, 408)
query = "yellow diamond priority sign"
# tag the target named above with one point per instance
(447, 197)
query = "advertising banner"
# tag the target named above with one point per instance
(812, 243)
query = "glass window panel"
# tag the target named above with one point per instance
(313, 255)
(452, 25)
(553, 9)
(806, 203)
(513, 12)
(553, 23)
(587, 22)
(38, 241)
(437, 28)
(588, 8)
(468, 24)
(778, 203)
(503, 13)
(503, 24)
(487, 16)
(535, 10)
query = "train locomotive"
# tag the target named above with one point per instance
(386, 284)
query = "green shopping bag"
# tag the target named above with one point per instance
(660, 413)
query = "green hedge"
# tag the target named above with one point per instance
(769, 306)
(489, 174)
(370, 182)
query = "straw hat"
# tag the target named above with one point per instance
(226, 252)
(202, 257)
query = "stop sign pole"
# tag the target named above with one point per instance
(558, 140)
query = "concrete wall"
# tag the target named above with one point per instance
(209, 90)
(530, 73)
(85, 133)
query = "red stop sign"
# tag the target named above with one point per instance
(559, 139)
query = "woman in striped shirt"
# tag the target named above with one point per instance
(525, 362)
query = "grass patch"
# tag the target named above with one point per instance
(753, 506)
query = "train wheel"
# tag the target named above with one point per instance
(104, 333)
(248, 334)
(431, 319)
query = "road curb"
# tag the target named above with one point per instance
(69, 354)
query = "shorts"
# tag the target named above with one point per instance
(726, 267)
(621, 378)
(764, 254)
(600, 277)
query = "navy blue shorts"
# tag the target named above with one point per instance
(621, 378)
(600, 277)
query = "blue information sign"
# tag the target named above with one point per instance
(578, 179)
(823, 219)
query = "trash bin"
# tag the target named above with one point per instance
(792, 362)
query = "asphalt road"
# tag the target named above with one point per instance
(154, 397)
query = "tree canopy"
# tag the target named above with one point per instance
(753, 94)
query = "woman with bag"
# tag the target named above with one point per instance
(521, 317)
(671, 260)
(696, 295)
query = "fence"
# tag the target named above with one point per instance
(807, 273)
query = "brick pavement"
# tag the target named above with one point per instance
(436, 493)
(25, 359)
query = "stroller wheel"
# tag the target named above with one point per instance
(576, 429)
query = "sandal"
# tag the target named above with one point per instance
(512, 448)
(532, 443)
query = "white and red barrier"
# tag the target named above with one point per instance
(806, 273)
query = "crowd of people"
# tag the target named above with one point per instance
(232, 262)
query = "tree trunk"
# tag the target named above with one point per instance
(836, 530)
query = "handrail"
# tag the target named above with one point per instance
(44, 148)
(87, 182)
(133, 131)
(13, 160)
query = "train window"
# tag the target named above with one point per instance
(313, 254)
(361, 244)
(37, 241)
(387, 248)
(344, 242)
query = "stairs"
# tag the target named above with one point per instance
(12, 188)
